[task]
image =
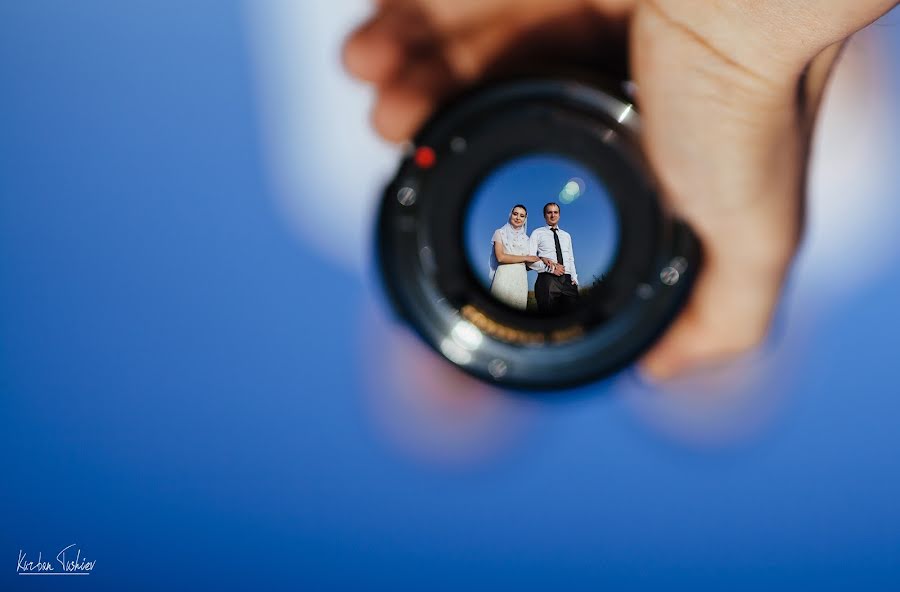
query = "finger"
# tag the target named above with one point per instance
(403, 105)
(371, 55)
(741, 184)
(379, 49)
(726, 144)
(733, 300)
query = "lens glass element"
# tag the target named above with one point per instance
(508, 207)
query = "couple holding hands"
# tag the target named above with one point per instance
(548, 251)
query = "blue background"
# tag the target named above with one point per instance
(180, 400)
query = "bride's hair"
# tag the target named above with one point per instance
(519, 206)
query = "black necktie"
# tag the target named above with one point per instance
(559, 258)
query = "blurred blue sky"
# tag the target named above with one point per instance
(200, 398)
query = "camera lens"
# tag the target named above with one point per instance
(523, 238)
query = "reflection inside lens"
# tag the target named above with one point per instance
(541, 233)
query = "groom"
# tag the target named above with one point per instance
(556, 288)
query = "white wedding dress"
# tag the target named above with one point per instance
(510, 283)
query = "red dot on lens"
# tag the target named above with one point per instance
(425, 157)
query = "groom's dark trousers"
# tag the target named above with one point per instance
(555, 294)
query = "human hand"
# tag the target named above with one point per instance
(418, 52)
(558, 270)
(728, 94)
(532, 258)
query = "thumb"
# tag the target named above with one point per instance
(728, 138)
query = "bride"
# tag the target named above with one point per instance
(509, 256)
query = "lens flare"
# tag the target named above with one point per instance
(571, 191)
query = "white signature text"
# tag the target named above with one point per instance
(71, 565)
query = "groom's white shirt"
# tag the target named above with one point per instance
(543, 245)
